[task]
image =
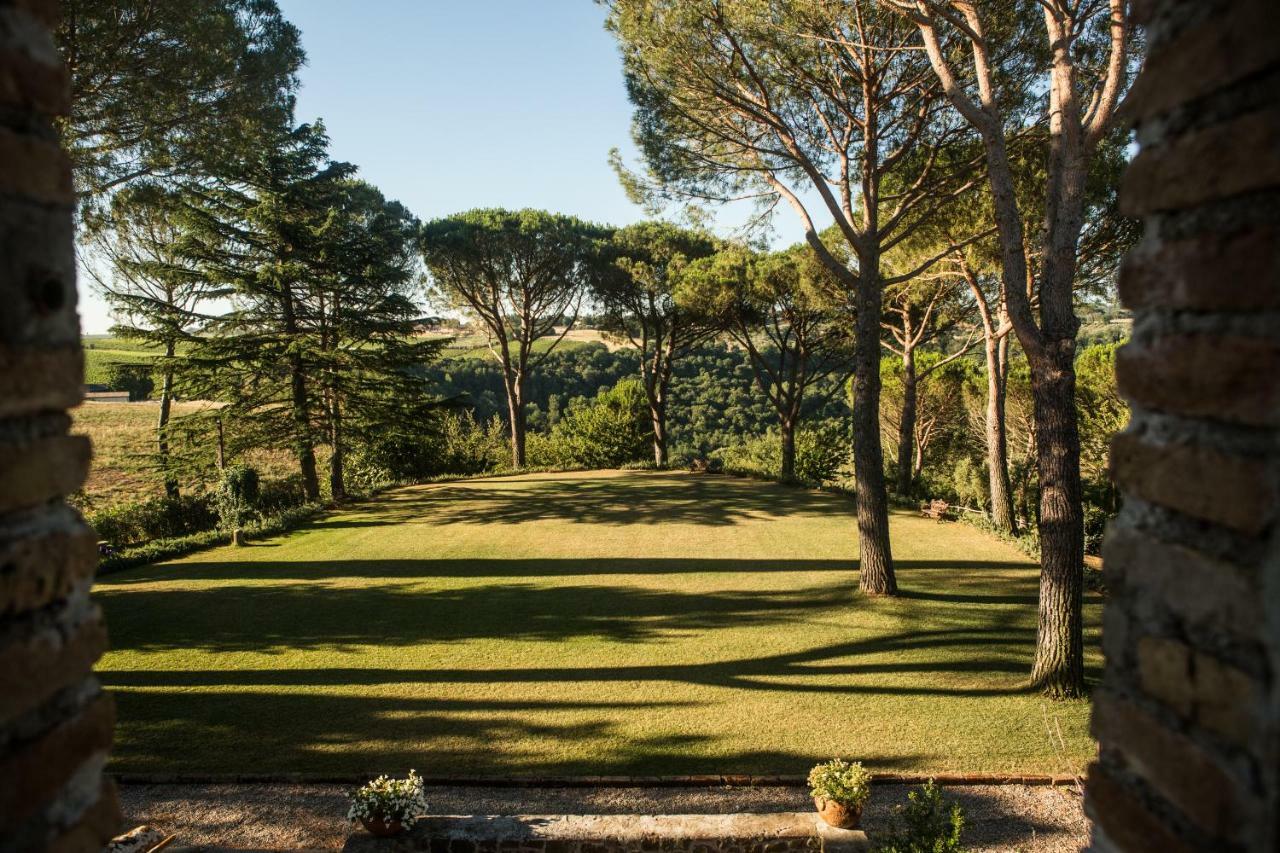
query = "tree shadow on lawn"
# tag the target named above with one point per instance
(281, 732)
(423, 569)
(277, 616)
(998, 651)
(627, 499)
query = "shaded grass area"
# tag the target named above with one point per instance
(598, 623)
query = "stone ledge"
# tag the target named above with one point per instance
(720, 833)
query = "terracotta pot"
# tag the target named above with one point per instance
(382, 828)
(839, 815)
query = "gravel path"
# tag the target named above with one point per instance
(263, 816)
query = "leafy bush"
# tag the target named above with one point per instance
(137, 379)
(238, 495)
(845, 782)
(275, 496)
(468, 446)
(608, 431)
(157, 518)
(167, 549)
(822, 451)
(926, 824)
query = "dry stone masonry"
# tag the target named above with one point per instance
(55, 721)
(1187, 715)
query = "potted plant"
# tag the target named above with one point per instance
(840, 789)
(388, 807)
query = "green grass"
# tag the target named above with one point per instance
(597, 623)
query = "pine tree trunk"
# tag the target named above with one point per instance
(162, 427)
(222, 446)
(788, 471)
(337, 458)
(1059, 663)
(875, 556)
(907, 423)
(302, 432)
(658, 414)
(515, 411)
(997, 441)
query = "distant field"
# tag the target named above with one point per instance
(101, 351)
(618, 623)
(123, 436)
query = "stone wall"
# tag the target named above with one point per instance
(55, 721)
(1187, 715)
(784, 832)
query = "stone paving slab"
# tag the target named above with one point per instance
(778, 832)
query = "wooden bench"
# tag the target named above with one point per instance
(937, 510)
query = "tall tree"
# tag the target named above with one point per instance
(640, 272)
(154, 293)
(255, 229)
(918, 313)
(782, 310)
(361, 311)
(1089, 56)
(168, 89)
(523, 275)
(811, 102)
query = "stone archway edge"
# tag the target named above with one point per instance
(687, 781)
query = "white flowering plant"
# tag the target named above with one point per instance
(391, 800)
(845, 782)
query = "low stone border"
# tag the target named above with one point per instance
(738, 780)
(788, 832)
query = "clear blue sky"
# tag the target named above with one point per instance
(448, 105)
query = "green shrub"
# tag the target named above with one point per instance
(845, 782)
(277, 495)
(926, 824)
(468, 446)
(822, 452)
(608, 431)
(168, 549)
(156, 518)
(137, 379)
(238, 495)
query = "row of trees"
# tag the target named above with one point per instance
(271, 278)
(880, 114)
(956, 178)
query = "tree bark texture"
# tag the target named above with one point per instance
(875, 555)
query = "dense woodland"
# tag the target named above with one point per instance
(925, 343)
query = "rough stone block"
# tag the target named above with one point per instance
(1200, 60)
(49, 468)
(1221, 377)
(1128, 823)
(1164, 670)
(1226, 699)
(46, 764)
(96, 826)
(1210, 271)
(1198, 590)
(50, 658)
(35, 380)
(46, 176)
(1174, 176)
(45, 561)
(1197, 480)
(1180, 770)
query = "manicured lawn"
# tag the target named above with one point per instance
(600, 623)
